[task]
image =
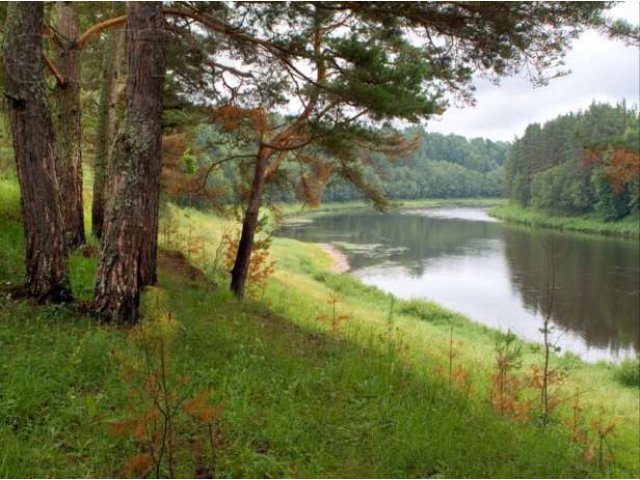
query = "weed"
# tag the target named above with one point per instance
(506, 385)
(575, 423)
(336, 319)
(600, 449)
(159, 398)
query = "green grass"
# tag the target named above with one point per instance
(298, 399)
(628, 227)
(335, 207)
(628, 373)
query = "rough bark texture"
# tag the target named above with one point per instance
(240, 270)
(113, 75)
(47, 276)
(68, 132)
(133, 184)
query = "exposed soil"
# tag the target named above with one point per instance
(177, 263)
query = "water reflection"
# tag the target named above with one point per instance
(496, 274)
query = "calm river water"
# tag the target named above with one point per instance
(495, 273)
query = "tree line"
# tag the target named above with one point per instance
(579, 163)
(440, 166)
(310, 87)
(436, 166)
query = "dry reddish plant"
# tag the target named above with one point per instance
(575, 422)
(621, 165)
(547, 383)
(261, 267)
(600, 448)
(335, 318)
(161, 405)
(506, 384)
(233, 118)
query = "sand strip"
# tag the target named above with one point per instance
(340, 262)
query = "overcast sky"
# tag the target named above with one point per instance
(601, 69)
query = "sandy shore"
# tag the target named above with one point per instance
(340, 263)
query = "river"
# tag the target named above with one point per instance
(497, 274)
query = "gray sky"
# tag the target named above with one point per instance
(601, 69)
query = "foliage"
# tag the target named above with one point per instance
(161, 402)
(628, 373)
(261, 267)
(506, 385)
(579, 163)
(561, 189)
(440, 166)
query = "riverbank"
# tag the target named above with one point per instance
(304, 290)
(339, 261)
(352, 206)
(627, 228)
(316, 376)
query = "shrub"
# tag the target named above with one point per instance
(628, 372)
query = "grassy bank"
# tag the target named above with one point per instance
(317, 375)
(628, 227)
(337, 207)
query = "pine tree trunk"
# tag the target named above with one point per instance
(133, 185)
(47, 277)
(113, 75)
(240, 270)
(68, 126)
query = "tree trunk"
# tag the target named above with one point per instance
(113, 74)
(68, 126)
(133, 185)
(240, 270)
(47, 277)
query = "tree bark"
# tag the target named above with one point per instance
(113, 74)
(68, 132)
(133, 185)
(47, 277)
(240, 270)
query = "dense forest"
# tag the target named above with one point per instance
(441, 166)
(579, 163)
(434, 166)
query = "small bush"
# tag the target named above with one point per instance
(628, 373)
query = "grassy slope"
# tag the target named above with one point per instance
(298, 400)
(628, 227)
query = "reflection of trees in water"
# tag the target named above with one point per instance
(597, 278)
(404, 239)
(598, 283)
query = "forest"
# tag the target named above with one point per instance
(579, 163)
(440, 166)
(436, 166)
(153, 325)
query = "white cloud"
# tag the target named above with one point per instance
(601, 69)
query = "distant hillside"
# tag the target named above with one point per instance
(442, 166)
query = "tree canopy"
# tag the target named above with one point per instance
(579, 163)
